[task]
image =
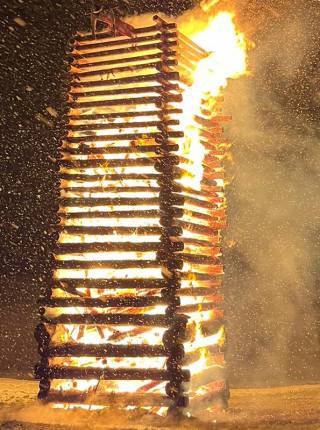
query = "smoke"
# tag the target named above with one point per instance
(273, 239)
(274, 229)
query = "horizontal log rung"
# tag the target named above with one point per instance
(119, 137)
(197, 228)
(107, 264)
(84, 177)
(151, 213)
(198, 276)
(111, 283)
(139, 30)
(156, 77)
(197, 258)
(67, 248)
(125, 41)
(108, 374)
(198, 291)
(105, 350)
(173, 231)
(86, 149)
(121, 69)
(120, 201)
(102, 162)
(114, 319)
(111, 52)
(112, 115)
(127, 101)
(169, 53)
(123, 301)
(122, 125)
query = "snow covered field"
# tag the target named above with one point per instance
(296, 407)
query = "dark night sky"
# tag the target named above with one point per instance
(31, 81)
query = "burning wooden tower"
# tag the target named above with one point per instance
(134, 315)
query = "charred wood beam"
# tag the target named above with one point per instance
(128, 101)
(198, 291)
(119, 91)
(84, 177)
(69, 248)
(57, 372)
(199, 242)
(119, 137)
(103, 162)
(211, 326)
(124, 125)
(106, 163)
(198, 215)
(200, 203)
(121, 69)
(143, 231)
(105, 350)
(134, 302)
(118, 190)
(84, 65)
(111, 283)
(115, 189)
(163, 113)
(104, 35)
(129, 41)
(176, 199)
(198, 258)
(108, 52)
(156, 77)
(114, 319)
(197, 228)
(149, 213)
(198, 276)
(106, 264)
(86, 149)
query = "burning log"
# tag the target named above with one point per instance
(82, 38)
(156, 77)
(113, 115)
(110, 374)
(86, 65)
(115, 319)
(105, 303)
(109, 350)
(112, 283)
(111, 52)
(137, 40)
(158, 65)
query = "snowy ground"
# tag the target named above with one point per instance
(281, 408)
